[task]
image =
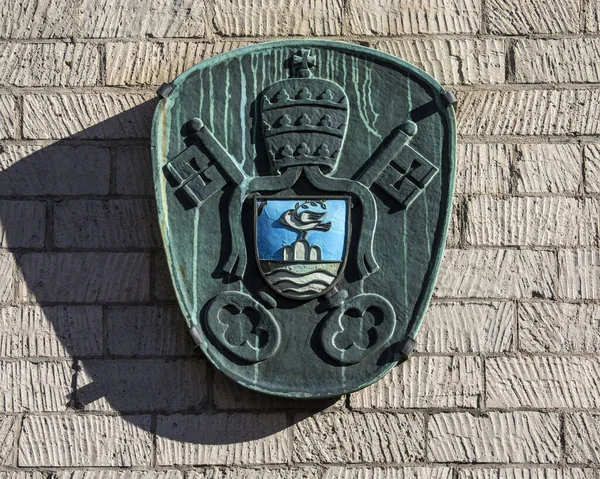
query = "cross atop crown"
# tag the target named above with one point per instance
(303, 62)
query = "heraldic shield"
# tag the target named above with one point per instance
(301, 243)
(304, 193)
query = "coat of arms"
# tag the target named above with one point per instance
(304, 190)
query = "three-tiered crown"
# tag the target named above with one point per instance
(304, 119)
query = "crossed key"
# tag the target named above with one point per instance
(205, 167)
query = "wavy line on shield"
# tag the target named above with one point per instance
(279, 276)
(301, 282)
(304, 289)
(294, 273)
(284, 285)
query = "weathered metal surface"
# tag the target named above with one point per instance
(304, 191)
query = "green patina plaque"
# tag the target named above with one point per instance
(304, 192)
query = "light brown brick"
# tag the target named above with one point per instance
(476, 473)
(394, 17)
(557, 61)
(548, 168)
(36, 19)
(163, 286)
(454, 227)
(559, 327)
(85, 277)
(8, 122)
(526, 473)
(542, 382)
(106, 224)
(388, 473)
(91, 115)
(592, 16)
(50, 331)
(268, 472)
(49, 64)
(131, 19)
(591, 154)
(54, 170)
(21, 475)
(146, 63)
(6, 278)
(118, 474)
(134, 171)
(22, 224)
(467, 328)
(496, 437)
(69, 440)
(27, 386)
(582, 438)
(483, 168)
(425, 382)
(468, 62)
(148, 331)
(579, 274)
(531, 221)
(285, 17)
(223, 439)
(497, 273)
(142, 385)
(532, 16)
(384, 438)
(10, 426)
(528, 112)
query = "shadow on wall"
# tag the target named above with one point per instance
(79, 218)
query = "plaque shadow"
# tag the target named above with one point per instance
(96, 328)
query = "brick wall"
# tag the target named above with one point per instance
(98, 375)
